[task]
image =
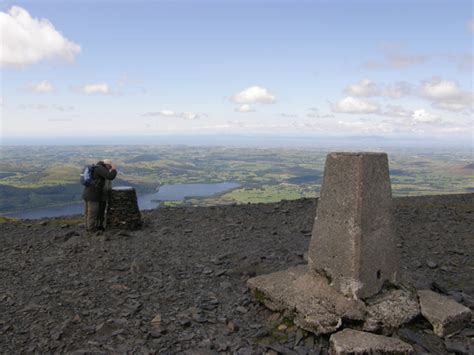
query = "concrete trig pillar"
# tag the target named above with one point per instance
(353, 242)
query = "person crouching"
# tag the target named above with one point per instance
(95, 195)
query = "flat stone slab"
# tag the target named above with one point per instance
(307, 298)
(445, 315)
(391, 309)
(355, 342)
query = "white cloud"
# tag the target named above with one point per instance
(190, 115)
(254, 95)
(409, 118)
(452, 106)
(443, 94)
(365, 87)
(423, 116)
(33, 107)
(438, 89)
(61, 108)
(41, 87)
(162, 113)
(245, 108)
(354, 105)
(27, 40)
(446, 95)
(101, 88)
(170, 113)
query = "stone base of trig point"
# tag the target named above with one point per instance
(122, 210)
(314, 305)
(352, 256)
(307, 298)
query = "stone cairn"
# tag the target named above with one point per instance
(352, 272)
(122, 210)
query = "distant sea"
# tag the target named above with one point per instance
(149, 201)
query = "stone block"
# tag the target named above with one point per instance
(445, 315)
(307, 298)
(353, 242)
(355, 342)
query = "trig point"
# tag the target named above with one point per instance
(352, 255)
(353, 242)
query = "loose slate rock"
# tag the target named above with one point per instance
(459, 345)
(445, 315)
(356, 342)
(422, 342)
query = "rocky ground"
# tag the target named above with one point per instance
(178, 285)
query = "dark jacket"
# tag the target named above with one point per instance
(95, 192)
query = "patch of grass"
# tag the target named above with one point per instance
(288, 322)
(4, 219)
(172, 203)
(259, 296)
(280, 336)
(271, 193)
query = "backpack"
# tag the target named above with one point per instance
(87, 178)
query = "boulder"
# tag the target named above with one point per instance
(445, 315)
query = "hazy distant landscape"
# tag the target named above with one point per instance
(41, 176)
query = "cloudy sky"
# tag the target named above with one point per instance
(391, 68)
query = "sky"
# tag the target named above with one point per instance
(323, 68)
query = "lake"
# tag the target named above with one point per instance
(148, 201)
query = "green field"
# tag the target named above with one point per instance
(48, 175)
